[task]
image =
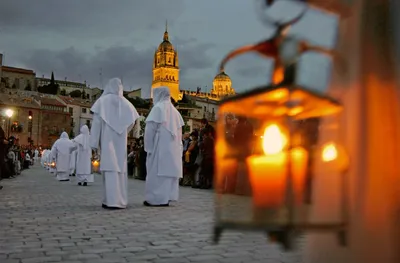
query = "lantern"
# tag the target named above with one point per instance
(53, 164)
(270, 160)
(96, 164)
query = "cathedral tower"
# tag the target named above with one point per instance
(166, 67)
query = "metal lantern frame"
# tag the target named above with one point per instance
(95, 158)
(285, 51)
(282, 233)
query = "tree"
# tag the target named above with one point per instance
(52, 81)
(83, 94)
(28, 86)
(71, 133)
(63, 92)
(76, 94)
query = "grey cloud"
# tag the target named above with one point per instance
(250, 66)
(102, 17)
(134, 66)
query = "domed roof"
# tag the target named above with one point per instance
(222, 76)
(166, 46)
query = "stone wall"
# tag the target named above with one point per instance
(53, 123)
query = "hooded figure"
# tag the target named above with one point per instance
(84, 155)
(163, 144)
(113, 117)
(61, 153)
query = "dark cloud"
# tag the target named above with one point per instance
(251, 66)
(98, 17)
(134, 66)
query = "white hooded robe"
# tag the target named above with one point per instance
(113, 117)
(61, 152)
(163, 144)
(83, 156)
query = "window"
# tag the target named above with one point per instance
(83, 110)
(71, 111)
(169, 60)
(88, 123)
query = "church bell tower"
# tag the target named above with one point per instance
(166, 67)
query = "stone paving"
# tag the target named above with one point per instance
(42, 220)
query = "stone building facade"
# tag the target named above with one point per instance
(16, 78)
(54, 119)
(166, 67)
(49, 116)
(79, 109)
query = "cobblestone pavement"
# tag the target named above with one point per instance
(42, 220)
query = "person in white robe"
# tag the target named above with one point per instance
(84, 155)
(61, 152)
(163, 144)
(72, 163)
(35, 155)
(42, 160)
(113, 117)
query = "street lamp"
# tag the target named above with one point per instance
(9, 114)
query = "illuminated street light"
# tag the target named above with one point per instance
(30, 117)
(9, 113)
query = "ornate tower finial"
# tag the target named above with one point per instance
(166, 38)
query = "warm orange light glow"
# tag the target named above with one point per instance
(274, 140)
(268, 172)
(278, 76)
(335, 156)
(96, 163)
(329, 152)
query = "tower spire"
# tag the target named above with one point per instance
(166, 37)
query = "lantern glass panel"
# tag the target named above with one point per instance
(264, 144)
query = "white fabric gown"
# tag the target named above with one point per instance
(163, 144)
(61, 152)
(84, 156)
(113, 118)
(163, 163)
(72, 162)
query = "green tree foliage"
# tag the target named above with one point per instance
(76, 94)
(63, 92)
(28, 87)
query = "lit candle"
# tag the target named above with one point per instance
(268, 172)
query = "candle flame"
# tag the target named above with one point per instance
(329, 153)
(274, 140)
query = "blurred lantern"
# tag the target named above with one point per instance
(274, 158)
(53, 165)
(96, 164)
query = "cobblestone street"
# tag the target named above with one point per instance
(42, 220)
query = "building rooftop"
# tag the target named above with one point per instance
(52, 102)
(18, 70)
(76, 101)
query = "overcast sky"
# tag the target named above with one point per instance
(77, 38)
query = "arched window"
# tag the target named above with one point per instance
(166, 77)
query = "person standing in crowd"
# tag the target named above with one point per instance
(3, 144)
(190, 157)
(27, 160)
(113, 117)
(207, 165)
(83, 157)
(61, 152)
(163, 144)
(142, 160)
